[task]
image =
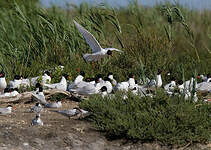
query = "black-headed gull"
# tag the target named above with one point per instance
(169, 88)
(103, 91)
(39, 96)
(7, 110)
(37, 120)
(16, 83)
(9, 93)
(97, 51)
(108, 85)
(3, 83)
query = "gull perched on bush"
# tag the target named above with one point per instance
(97, 51)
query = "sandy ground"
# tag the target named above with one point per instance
(58, 132)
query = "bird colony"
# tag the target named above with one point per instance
(104, 85)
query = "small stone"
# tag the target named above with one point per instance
(25, 144)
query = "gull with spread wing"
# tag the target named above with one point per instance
(97, 51)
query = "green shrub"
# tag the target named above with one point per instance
(172, 121)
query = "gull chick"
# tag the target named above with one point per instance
(37, 108)
(37, 121)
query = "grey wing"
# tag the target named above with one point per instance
(50, 105)
(2, 110)
(90, 39)
(91, 57)
(68, 113)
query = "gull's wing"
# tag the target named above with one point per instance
(92, 57)
(90, 39)
(114, 49)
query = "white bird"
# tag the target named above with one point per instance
(46, 78)
(39, 96)
(3, 83)
(25, 83)
(111, 77)
(103, 91)
(37, 108)
(7, 110)
(169, 88)
(57, 104)
(130, 84)
(122, 86)
(78, 80)
(37, 121)
(156, 82)
(97, 51)
(108, 85)
(62, 85)
(190, 84)
(16, 83)
(204, 86)
(9, 93)
(87, 90)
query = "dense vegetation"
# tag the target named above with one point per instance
(172, 38)
(171, 121)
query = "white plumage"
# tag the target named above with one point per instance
(97, 51)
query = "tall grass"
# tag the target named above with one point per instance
(166, 37)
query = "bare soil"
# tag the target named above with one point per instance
(59, 132)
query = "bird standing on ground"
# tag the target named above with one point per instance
(37, 121)
(97, 51)
(39, 96)
(37, 108)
